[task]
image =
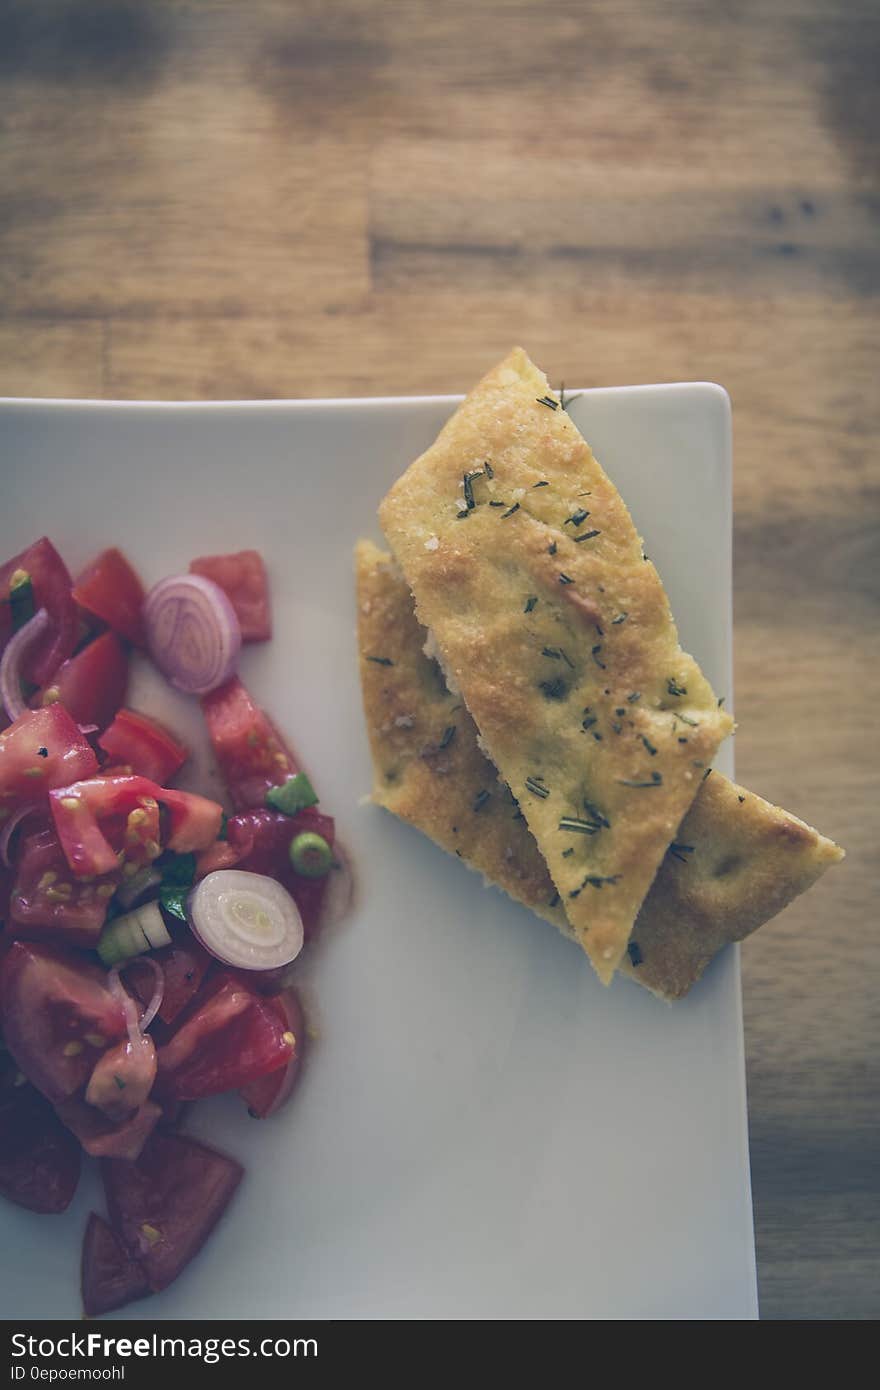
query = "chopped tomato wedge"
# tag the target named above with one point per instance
(42, 749)
(242, 577)
(165, 1205)
(52, 590)
(91, 685)
(57, 1016)
(110, 1277)
(267, 1094)
(39, 1159)
(250, 752)
(193, 821)
(110, 588)
(144, 746)
(47, 903)
(230, 1039)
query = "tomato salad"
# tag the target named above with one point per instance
(145, 936)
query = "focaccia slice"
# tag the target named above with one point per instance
(736, 860)
(525, 565)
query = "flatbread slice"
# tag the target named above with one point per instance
(736, 860)
(525, 565)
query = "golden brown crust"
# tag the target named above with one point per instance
(736, 860)
(584, 693)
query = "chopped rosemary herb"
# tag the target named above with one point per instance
(567, 852)
(530, 603)
(576, 517)
(650, 747)
(480, 800)
(548, 401)
(621, 618)
(620, 712)
(594, 653)
(497, 504)
(552, 652)
(595, 814)
(536, 785)
(674, 688)
(740, 799)
(597, 880)
(685, 719)
(588, 723)
(448, 736)
(542, 483)
(597, 737)
(618, 728)
(683, 740)
(636, 695)
(679, 851)
(488, 469)
(42, 752)
(721, 701)
(655, 781)
(587, 536)
(577, 825)
(706, 773)
(634, 952)
(554, 901)
(468, 483)
(555, 689)
(551, 549)
(460, 516)
(381, 660)
(510, 510)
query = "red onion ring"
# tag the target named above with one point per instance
(137, 1026)
(10, 663)
(9, 829)
(193, 632)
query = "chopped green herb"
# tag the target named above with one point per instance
(488, 469)
(621, 618)
(683, 740)
(597, 737)
(679, 851)
(178, 873)
(530, 603)
(721, 701)
(42, 752)
(548, 401)
(381, 660)
(634, 952)
(311, 855)
(576, 517)
(595, 814)
(740, 799)
(536, 785)
(448, 736)
(594, 653)
(510, 510)
(674, 688)
(636, 695)
(551, 549)
(598, 880)
(655, 781)
(650, 747)
(293, 796)
(542, 483)
(618, 728)
(565, 579)
(567, 852)
(588, 723)
(554, 901)
(119, 1081)
(586, 536)
(706, 773)
(468, 485)
(460, 516)
(21, 599)
(552, 652)
(577, 825)
(223, 832)
(480, 800)
(497, 504)
(685, 719)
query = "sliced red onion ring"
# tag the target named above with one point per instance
(135, 1025)
(9, 829)
(193, 632)
(10, 664)
(246, 920)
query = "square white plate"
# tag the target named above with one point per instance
(482, 1130)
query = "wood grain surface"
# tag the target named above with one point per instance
(207, 199)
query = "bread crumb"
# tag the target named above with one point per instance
(432, 543)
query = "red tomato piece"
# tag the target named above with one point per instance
(185, 963)
(110, 1277)
(267, 1094)
(52, 590)
(165, 1205)
(242, 577)
(193, 821)
(39, 1159)
(143, 745)
(57, 1016)
(230, 1038)
(47, 903)
(110, 588)
(91, 685)
(250, 752)
(100, 1137)
(42, 749)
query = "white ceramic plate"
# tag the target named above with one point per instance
(482, 1131)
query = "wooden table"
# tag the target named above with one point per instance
(214, 199)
